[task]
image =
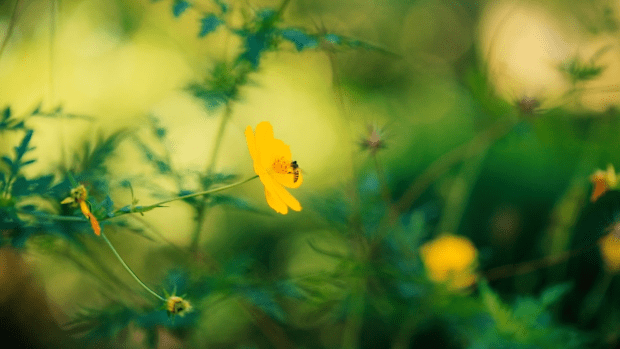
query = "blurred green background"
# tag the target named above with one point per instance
(493, 115)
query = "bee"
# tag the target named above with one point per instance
(295, 171)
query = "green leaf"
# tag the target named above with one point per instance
(217, 178)
(580, 71)
(553, 294)
(223, 6)
(332, 39)
(102, 324)
(496, 308)
(265, 301)
(37, 186)
(221, 85)
(179, 6)
(7, 160)
(208, 24)
(235, 202)
(23, 146)
(96, 152)
(7, 123)
(301, 39)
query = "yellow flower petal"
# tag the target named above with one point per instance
(91, 217)
(272, 163)
(251, 141)
(276, 203)
(67, 200)
(610, 251)
(288, 179)
(280, 192)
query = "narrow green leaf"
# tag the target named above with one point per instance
(553, 294)
(179, 6)
(208, 24)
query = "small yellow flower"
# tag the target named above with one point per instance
(450, 259)
(78, 197)
(274, 167)
(610, 251)
(177, 306)
(603, 181)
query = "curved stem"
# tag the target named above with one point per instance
(9, 30)
(53, 216)
(105, 238)
(446, 161)
(218, 138)
(385, 191)
(530, 266)
(201, 209)
(159, 204)
(206, 192)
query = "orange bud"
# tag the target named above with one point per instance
(93, 220)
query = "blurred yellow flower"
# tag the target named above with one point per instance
(274, 167)
(177, 306)
(451, 260)
(603, 181)
(78, 197)
(610, 251)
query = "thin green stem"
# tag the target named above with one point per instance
(218, 138)
(595, 297)
(479, 143)
(159, 204)
(532, 265)
(385, 191)
(105, 238)
(206, 192)
(53, 216)
(353, 325)
(202, 207)
(9, 30)
(282, 8)
(461, 190)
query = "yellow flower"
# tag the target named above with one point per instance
(610, 251)
(78, 197)
(450, 259)
(177, 306)
(603, 181)
(274, 167)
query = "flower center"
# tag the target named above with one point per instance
(280, 166)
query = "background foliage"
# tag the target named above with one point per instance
(409, 119)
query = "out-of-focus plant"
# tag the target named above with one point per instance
(388, 276)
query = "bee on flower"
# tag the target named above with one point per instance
(78, 197)
(274, 166)
(450, 260)
(603, 181)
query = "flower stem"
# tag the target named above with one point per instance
(129, 269)
(53, 216)
(206, 192)
(9, 30)
(385, 191)
(219, 137)
(141, 209)
(201, 208)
